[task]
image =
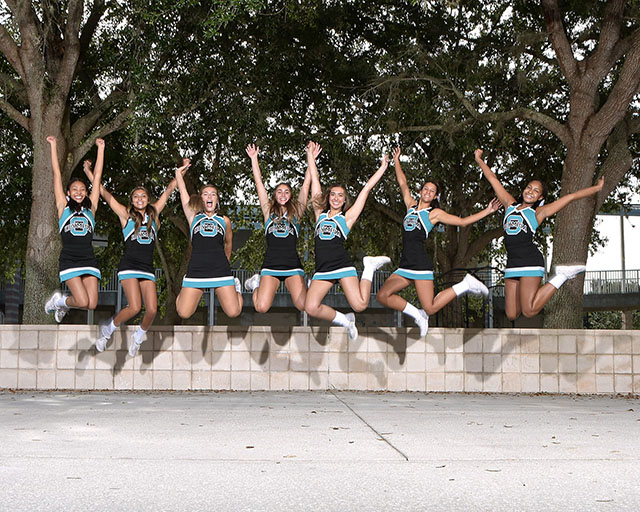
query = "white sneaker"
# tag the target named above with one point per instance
(476, 286)
(50, 305)
(60, 311)
(570, 271)
(105, 335)
(252, 283)
(375, 261)
(423, 323)
(238, 284)
(352, 330)
(134, 346)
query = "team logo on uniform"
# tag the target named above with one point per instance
(514, 224)
(143, 237)
(280, 228)
(208, 228)
(78, 226)
(411, 222)
(327, 230)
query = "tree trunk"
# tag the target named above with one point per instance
(43, 242)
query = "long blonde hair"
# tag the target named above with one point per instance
(293, 207)
(321, 201)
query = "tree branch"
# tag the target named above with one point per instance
(9, 49)
(81, 127)
(14, 114)
(599, 63)
(90, 26)
(67, 71)
(559, 41)
(14, 87)
(482, 241)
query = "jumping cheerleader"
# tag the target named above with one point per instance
(334, 220)
(76, 210)
(211, 239)
(525, 264)
(140, 222)
(282, 214)
(415, 263)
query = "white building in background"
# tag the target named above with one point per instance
(619, 231)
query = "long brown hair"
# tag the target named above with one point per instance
(195, 200)
(72, 203)
(321, 201)
(149, 210)
(292, 206)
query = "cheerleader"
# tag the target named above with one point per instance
(525, 264)
(211, 240)
(140, 223)
(76, 223)
(282, 214)
(415, 264)
(334, 220)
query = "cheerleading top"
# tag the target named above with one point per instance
(523, 257)
(332, 260)
(137, 262)
(415, 263)
(77, 258)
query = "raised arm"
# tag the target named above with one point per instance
(97, 176)
(402, 179)
(164, 197)
(184, 196)
(313, 150)
(58, 189)
(354, 212)
(303, 195)
(547, 210)
(253, 150)
(119, 209)
(505, 198)
(439, 215)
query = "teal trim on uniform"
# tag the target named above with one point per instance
(216, 218)
(424, 218)
(335, 274)
(530, 216)
(65, 275)
(210, 282)
(67, 213)
(135, 274)
(523, 272)
(130, 227)
(282, 273)
(415, 275)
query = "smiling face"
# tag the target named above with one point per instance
(337, 198)
(77, 191)
(209, 197)
(139, 199)
(428, 192)
(283, 194)
(533, 192)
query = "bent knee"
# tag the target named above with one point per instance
(382, 298)
(512, 316)
(359, 307)
(261, 307)
(529, 313)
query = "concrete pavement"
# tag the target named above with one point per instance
(317, 450)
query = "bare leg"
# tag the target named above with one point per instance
(512, 298)
(264, 294)
(532, 296)
(230, 300)
(388, 294)
(297, 290)
(131, 289)
(90, 284)
(356, 292)
(150, 297)
(79, 297)
(313, 303)
(425, 294)
(187, 301)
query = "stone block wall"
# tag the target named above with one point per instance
(318, 358)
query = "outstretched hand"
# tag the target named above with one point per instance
(384, 161)
(51, 140)
(313, 149)
(494, 205)
(396, 154)
(478, 154)
(186, 163)
(252, 150)
(600, 183)
(100, 143)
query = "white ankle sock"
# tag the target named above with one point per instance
(557, 281)
(367, 274)
(112, 327)
(61, 302)
(412, 311)
(139, 334)
(461, 288)
(341, 319)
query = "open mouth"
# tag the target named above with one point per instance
(209, 204)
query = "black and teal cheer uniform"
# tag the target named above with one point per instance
(137, 262)
(523, 257)
(76, 258)
(281, 258)
(332, 260)
(415, 263)
(209, 266)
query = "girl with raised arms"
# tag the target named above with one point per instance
(334, 220)
(76, 223)
(211, 240)
(140, 223)
(525, 264)
(415, 264)
(282, 214)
